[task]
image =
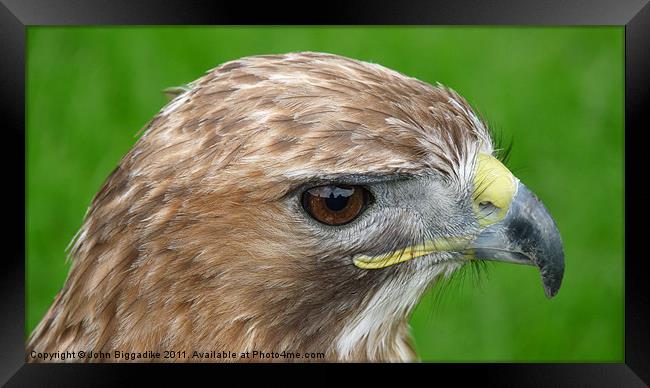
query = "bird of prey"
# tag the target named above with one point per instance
(301, 202)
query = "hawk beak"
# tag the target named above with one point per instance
(526, 235)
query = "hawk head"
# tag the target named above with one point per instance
(300, 202)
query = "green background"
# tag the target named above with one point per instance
(556, 92)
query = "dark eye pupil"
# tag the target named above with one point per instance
(337, 203)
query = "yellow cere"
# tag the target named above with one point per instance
(494, 184)
(385, 260)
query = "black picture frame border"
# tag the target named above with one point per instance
(17, 15)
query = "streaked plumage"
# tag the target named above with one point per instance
(196, 242)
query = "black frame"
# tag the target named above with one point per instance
(16, 15)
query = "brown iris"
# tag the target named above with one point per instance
(335, 204)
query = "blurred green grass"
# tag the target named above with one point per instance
(557, 92)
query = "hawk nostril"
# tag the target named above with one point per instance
(488, 208)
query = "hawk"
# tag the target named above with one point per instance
(301, 202)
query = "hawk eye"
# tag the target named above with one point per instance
(335, 204)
